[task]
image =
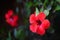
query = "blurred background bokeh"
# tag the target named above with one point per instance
(24, 8)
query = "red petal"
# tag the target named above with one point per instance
(13, 24)
(15, 18)
(10, 12)
(33, 28)
(41, 16)
(32, 18)
(7, 16)
(46, 24)
(40, 31)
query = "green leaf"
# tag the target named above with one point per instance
(28, 12)
(22, 35)
(28, 4)
(45, 3)
(37, 11)
(36, 3)
(9, 38)
(41, 9)
(35, 0)
(46, 12)
(52, 2)
(18, 33)
(57, 8)
(58, 1)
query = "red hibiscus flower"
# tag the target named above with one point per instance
(38, 23)
(11, 19)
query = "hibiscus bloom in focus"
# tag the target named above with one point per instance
(11, 19)
(38, 23)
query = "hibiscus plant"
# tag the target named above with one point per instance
(31, 20)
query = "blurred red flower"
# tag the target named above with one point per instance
(11, 19)
(39, 23)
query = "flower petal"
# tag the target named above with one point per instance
(33, 28)
(41, 16)
(11, 22)
(32, 18)
(40, 30)
(7, 16)
(10, 12)
(15, 17)
(46, 24)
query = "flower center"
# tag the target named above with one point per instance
(38, 22)
(11, 18)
